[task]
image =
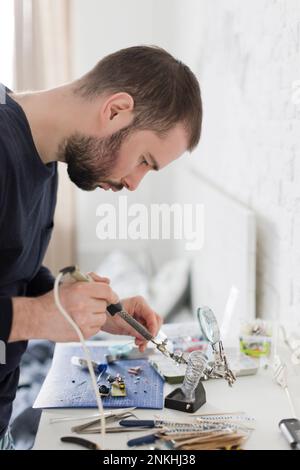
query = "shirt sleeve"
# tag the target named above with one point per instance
(42, 283)
(6, 315)
(5, 175)
(6, 310)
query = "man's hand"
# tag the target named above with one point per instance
(86, 303)
(39, 318)
(140, 310)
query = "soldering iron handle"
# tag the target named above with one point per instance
(136, 325)
(114, 309)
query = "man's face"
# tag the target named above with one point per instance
(121, 160)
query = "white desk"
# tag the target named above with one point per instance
(256, 395)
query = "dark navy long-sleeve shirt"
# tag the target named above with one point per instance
(28, 190)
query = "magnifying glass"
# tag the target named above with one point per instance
(211, 332)
(208, 324)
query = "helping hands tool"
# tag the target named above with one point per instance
(209, 326)
(117, 309)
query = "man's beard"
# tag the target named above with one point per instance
(91, 160)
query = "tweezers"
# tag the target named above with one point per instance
(107, 415)
(86, 427)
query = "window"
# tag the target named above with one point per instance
(7, 42)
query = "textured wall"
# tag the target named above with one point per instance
(247, 58)
(246, 55)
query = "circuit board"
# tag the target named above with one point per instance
(68, 386)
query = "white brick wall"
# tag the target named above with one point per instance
(247, 61)
(246, 54)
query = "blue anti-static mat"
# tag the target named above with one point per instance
(67, 386)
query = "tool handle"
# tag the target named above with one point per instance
(139, 441)
(136, 325)
(114, 308)
(76, 274)
(80, 442)
(143, 423)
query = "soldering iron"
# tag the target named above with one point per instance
(118, 309)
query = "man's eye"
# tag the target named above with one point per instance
(144, 162)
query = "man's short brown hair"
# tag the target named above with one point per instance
(164, 90)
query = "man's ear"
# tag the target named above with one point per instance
(117, 111)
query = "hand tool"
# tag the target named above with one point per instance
(80, 442)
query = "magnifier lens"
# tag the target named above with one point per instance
(208, 324)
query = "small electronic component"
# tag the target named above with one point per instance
(134, 370)
(81, 362)
(117, 391)
(172, 373)
(111, 379)
(104, 390)
(120, 382)
(121, 386)
(117, 386)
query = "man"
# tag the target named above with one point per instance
(138, 110)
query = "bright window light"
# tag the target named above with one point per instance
(7, 42)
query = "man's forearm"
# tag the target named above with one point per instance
(39, 317)
(24, 320)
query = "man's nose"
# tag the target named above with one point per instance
(132, 181)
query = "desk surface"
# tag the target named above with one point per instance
(256, 395)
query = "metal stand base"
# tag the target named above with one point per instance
(177, 401)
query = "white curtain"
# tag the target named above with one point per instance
(42, 60)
